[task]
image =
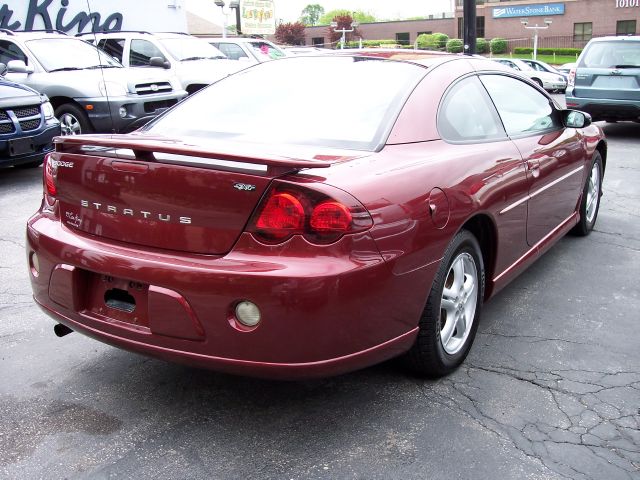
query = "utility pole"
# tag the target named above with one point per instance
(525, 24)
(469, 23)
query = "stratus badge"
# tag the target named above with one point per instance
(244, 187)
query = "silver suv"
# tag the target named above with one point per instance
(195, 62)
(606, 80)
(90, 91)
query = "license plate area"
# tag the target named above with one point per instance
(111, 298)
(21, 146)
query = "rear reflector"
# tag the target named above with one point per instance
(331, 217)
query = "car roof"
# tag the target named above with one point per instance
(236, 39)
(628, 38)
(35, 34)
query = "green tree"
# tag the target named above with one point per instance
(359, 16)
(311, 14)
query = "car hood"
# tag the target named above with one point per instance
(12, 89)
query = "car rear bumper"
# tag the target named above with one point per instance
(322, 315)
(105, 115)
(42, 142)
(606, 109)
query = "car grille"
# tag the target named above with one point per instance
(22, 112)
(29, 119)
(6, 125)
(149, 89)
(150, 107)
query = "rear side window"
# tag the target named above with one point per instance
(613, 54)
(141, 53)
(523, 109)
(232, 51)
(113, 46)
(467, 114)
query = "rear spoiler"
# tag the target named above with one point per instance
(145, 146)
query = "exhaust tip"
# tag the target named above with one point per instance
(61, 330)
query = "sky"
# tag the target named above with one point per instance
(290, 10)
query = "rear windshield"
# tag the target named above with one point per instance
(340, 102)
(613, 54)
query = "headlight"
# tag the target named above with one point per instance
(112, 89)
(47, 109)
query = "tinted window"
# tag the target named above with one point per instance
(142, 51)
(468, 114)
(10, 51)
(113, 46)
(523, 109)
(341, 102)
(232, 51)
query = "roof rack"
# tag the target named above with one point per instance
(7, 31)
(44, 30)
(113, 31)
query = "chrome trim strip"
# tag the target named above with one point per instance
(542, 240)
(539, 191)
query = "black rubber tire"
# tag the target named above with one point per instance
(584, 227)
(78, 114)
(427, 357)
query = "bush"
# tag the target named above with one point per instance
(432, 41)
(455, 45)
(547, 51)
(498, 45)
(482, 46)
(370, 43)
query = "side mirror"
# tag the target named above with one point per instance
(3, 69)
(575, 119)
(18, 66)
(159, 62)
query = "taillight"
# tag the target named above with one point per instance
(320, 213)
(49, 179)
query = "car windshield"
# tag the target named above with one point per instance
(341, 102)
(613, 54)
(189, 48)
(57, 54)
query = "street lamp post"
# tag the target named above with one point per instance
(232, 4)
(344, 31)
(547, 24)
(220, 3)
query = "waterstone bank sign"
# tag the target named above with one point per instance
(627, 3)
(79, 16)
(539, 10)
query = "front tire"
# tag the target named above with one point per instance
(73, 121)
(590, 203)
(450, 318)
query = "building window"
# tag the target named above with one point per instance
(425, 33)
(626, 27)
(403, 38)
(582, 32)
(317, 41)
(479, 27)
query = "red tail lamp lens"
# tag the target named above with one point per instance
(282, 214)
(331, 217)
(49, 181)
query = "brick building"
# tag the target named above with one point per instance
(574, 22)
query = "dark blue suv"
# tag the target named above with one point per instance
(27, 125)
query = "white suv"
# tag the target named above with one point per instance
(247, 50)
(195, 62)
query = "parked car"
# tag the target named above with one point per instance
(307, 51)
(90, 91)
(552, 82)
(566, 68)
(269, 239)
(27, 125)
(248, 50)
(545, 67)
(195, 62)
(606, 81)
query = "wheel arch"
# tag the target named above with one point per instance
(602, 149)
(61, 100)
(484, 229)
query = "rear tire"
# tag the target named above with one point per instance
(590, 202)
(450, 318)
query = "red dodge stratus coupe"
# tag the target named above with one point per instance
(312, 216)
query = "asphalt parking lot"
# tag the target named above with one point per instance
(550, 390)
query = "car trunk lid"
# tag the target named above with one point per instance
(166, 193)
